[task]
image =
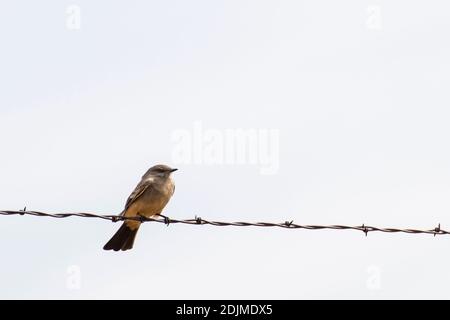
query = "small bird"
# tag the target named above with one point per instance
(147, 200)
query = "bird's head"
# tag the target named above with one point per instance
(160, 170)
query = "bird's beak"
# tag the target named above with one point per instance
(173, 170)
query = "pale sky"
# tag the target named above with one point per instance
(355, 93)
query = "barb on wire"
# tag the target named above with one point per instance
(199, 221)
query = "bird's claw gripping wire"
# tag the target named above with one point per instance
(142, 218)
(166, 219)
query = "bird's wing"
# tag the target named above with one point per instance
(137, 192)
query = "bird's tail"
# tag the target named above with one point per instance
(123, 239)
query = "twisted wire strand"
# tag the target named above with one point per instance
(199, 221)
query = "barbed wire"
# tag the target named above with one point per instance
(199, 221)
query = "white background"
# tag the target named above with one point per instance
(362, 107)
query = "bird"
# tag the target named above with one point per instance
(148, 199)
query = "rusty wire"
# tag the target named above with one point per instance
(199, 221)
